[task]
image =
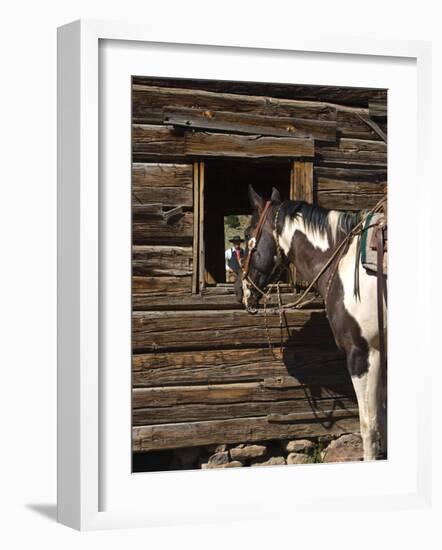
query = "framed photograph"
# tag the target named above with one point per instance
(223, 287)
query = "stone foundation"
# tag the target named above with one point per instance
(344, 448)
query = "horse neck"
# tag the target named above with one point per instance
(308, 246)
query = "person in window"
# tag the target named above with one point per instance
(234, 259)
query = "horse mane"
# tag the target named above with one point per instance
(317, 218)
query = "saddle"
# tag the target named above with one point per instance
(374, 235)
(373, 244)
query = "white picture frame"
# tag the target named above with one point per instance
(80, 265)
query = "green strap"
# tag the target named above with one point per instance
(364, 235)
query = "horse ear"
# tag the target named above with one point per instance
(276, 197)
(255, 200)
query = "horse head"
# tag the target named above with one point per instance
(260, 266)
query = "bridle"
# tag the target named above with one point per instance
(253, 245)
(253, 242)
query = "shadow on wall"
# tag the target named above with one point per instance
(321, 369)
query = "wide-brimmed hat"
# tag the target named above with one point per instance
(236, 239)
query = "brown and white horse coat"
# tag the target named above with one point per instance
(308, 236)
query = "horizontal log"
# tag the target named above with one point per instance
(351, 124)
(243, 123)
(353, 96)
(178, 231)
(203, 144)
(221, 394)
(364, 174)
(354, 152)
(201, 412)
(161, 330)
(191, 434)
(150, 101)
(160, 261)
(159, 141)
(148, 287)
(162, 175)
(306, 365)
(167, 196)
(225, 300)
(341, 195)
(151, 143)
(377, 109)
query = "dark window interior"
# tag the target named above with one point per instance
(226, 192)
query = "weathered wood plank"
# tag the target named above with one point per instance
(167, 196)
(201, 212)
(196, 225)
(161, 175)
(377, 109)
(148, 287)
(351, 123)
(364, 174)
(161, 330)
(150, 101)
(303, 181)
(341, 195)
(306, 364)
(201, 412)
(226, 300)
(243, 123)
(221, 394)
(151, 142)
(158, 231)
(171, 436)
(160, 261)
(203, 144)
(354, 152)
(353, 96)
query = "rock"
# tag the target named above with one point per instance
(219, 458)
(272, 461)
(212, 465)
(188, 455)
(299, 446)
(246, 452)
(344, 449)
(298, 458)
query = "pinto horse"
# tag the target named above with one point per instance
(308, 236)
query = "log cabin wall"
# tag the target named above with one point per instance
(203, 372)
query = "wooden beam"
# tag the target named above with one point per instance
(244, 123)
(345, 195)
(149, 103)
(148, 287)
(161, 175)
(166, 330)
(365, 174)
(161, 261)
(204, 144)
(152, 231)
(195, 244)
(377, 109)
(303, 181)
(189, 434)
(201, 251)
(359, 97)
(217, 394)
(198, 412)
(305, 364)
(354, 152)
(167, 196)
(206, 301)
